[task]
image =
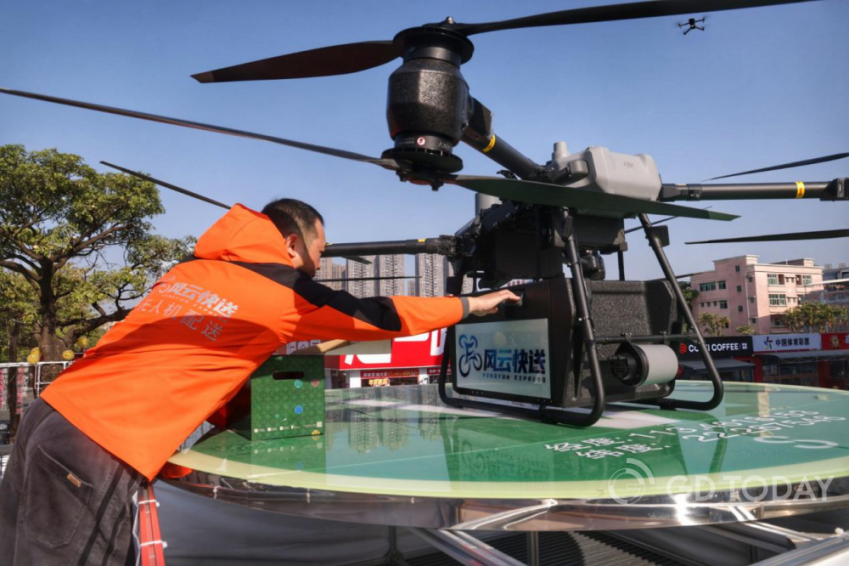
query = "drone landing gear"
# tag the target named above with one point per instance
(657, 237)
(589, 393)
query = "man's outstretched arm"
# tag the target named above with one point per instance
(325, 314)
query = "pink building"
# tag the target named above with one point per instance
(754, 294)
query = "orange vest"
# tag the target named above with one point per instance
(204, 328)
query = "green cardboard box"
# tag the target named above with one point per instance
(282, 399)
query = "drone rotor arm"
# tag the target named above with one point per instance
(444, 245)
(838, 189)
(381, 278)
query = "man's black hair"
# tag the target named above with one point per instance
(292, 216)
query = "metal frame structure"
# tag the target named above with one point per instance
(455, 514)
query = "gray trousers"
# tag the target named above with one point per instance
(64, 500)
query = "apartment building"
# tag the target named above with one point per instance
(754, 294)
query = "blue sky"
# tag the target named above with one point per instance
(759, 87)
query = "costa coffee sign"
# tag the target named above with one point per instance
(424, 350)
(720, 347)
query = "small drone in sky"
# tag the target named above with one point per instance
(692, 24)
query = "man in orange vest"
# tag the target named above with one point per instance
(113, 419)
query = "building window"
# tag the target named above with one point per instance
(751, 280)
(722, 285)
(723, 304)
(778, 300)
(751, 300)
(703, 287)
(776, 321)
(739, 288)
(737, 268)
(702, 305)
(739, 308)
(772, 279)
(807, 280)
(753, 320)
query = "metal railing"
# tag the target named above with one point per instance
(42, 380)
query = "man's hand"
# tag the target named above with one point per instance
(488, 304)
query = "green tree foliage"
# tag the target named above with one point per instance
(712, 324)
(816, 317)
(62, 226)
(793, 319)
(745, 330)
(690, 294)
(16, 306)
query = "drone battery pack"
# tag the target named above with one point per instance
(283, 398)
(614, 173)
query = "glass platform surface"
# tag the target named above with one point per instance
(398, 456)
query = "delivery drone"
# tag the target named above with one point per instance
(692, 24)
(572, 342)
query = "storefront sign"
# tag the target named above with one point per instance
(721, 347)
(389, 373)
(786, 342)
(418, 351)
(835, 341)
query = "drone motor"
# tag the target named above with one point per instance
(428, 104)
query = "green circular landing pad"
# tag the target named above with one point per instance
(768, 450)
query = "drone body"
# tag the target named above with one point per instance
(692, 24)
(535, 220)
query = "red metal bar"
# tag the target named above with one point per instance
(150, 537)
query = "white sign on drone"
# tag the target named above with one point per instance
(510, 357)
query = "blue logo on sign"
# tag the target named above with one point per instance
(469, 358)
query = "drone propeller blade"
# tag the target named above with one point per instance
(554, 195)
(656, 222)
(616, 12)
(793, 236)
(199, 197)
(386, 163)
(323, 62)
(166, 185)
(813, 161)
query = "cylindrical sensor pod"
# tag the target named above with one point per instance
(646, 364)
